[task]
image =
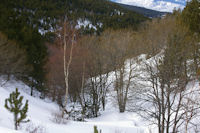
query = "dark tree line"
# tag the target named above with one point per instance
(30, 25)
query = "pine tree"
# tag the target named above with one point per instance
(96, 130)
(14, 105)
(191, 15)
(191, 19)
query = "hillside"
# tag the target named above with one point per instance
(144, 11)
(158, 5)
(46, 15)
(41, 113)
(98, 15)
(31, 24)
(84, 63)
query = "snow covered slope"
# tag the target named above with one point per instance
(6, 130)
(40, 114)
(159, 5)
(111, 121)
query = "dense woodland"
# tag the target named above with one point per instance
(24, 21)
(40, 45)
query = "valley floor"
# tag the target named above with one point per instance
(40, 113)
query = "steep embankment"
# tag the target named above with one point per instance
(40, 113)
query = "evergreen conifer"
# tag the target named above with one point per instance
(14, 105)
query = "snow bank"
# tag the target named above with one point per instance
(40, 114)
(40, 111)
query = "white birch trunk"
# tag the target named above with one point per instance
(66, 65)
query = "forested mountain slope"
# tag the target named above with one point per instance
(46, 14)
(23, 22)
(146, 12)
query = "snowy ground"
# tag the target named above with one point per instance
(111, 121)
(40, 114)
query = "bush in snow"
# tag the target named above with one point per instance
(58, 118)
(31, 128)
(14, 105)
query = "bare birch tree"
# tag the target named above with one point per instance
(69, 35)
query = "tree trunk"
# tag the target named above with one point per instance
(32, 87)
(103, 103)
(15, 120)
(82, 99)
(66, 65)
(163, 110)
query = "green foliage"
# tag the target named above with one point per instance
(191, 15)
(96, 130)
(12, 59)
(190, 18)
(111, 15)
(21, 21)
(46, 14)
(14, 105)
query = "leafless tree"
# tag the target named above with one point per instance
(66, 39)
(55, 75)
(120, 47)
(94, 89)
(165, 98)
(124, 78)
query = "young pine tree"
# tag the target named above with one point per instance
(14, 105)
(96, 130)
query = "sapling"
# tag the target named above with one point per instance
(14, 105)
